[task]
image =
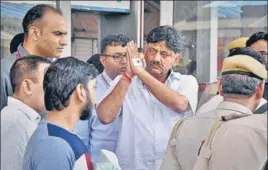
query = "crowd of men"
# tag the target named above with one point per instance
(127, 103)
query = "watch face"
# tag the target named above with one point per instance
(137, 62)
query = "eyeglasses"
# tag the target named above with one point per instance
(264, 53)
(117, 56)
(152, 52)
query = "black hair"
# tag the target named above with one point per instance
(114, 39)
(95, 61)
(15, 42)
(140, 50)
(61, 79)
(249, 52)
(36, 13)
(169, 34)
(25, 68)
(256, 37)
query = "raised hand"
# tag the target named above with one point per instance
(135, 62)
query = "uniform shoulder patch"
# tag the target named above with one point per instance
(233, 116)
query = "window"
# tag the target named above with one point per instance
(209, 26)
(12, 13)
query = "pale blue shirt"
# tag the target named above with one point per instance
(18, 123)
(147, 123)
(96, 135)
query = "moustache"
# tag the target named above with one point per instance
(156, 64)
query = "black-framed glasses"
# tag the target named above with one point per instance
(117, 56)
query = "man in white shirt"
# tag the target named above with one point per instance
(20, 117)
(97, 135)
(151, 101)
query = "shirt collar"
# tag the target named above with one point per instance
(225, 105)
(173, 75)
(107, 78)
(28, 111)
(23, 52)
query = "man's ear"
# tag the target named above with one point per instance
(81, 93)
(260, 90)
(27, 86)
(102, 60)
(219, 83)
(177, 59)
(34, 33)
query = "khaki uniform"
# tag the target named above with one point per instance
(213, 103)
(189, 133)
(212, 89)
(239, 144)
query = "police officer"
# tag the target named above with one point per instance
(242, 88)
(235, 143)
(212, 89)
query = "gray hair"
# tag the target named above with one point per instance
(243, 85)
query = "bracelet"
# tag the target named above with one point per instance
(127, 76)
(126, 79)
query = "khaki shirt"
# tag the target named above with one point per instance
(6, 64)
(213, 103)
(239, 144)
(183, 147)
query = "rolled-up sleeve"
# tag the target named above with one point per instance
(189, 88)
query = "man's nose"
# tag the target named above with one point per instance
(157, 57)
(63, 40)
(124, 60)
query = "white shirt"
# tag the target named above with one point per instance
(97, 135)
(147, 123)
(214, 102)
(18, 122)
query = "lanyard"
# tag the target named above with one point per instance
(17, 54)
(106, 82)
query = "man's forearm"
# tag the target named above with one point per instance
(109, 107)
(164, 94)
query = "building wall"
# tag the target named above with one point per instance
(120, 23)
(151, 17)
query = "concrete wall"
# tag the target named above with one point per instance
(151, 17)
(121, 23)
(66, 10)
